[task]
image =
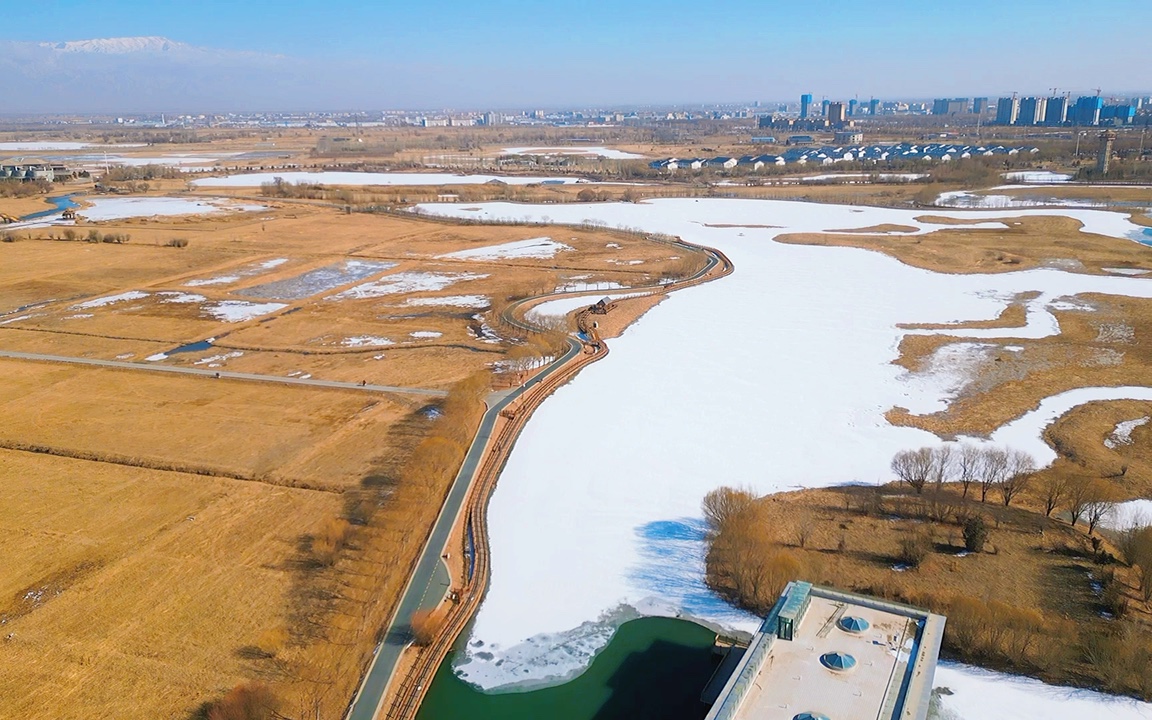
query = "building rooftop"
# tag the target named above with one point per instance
(850, 657)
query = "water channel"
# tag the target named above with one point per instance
(61, 203)
(653, 669)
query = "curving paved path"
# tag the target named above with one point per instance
(423, 590)
(222, 374)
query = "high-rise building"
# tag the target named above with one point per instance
(873, 106)
(1086, 111)
(805, 103)
(852, 107)
(837, 113)
(980, 105)
(1056, 113)
(824, 108)
(1117, 114)
(1031, 111)
(1007, 109)
(949, 106)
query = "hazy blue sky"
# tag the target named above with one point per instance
(555, 52)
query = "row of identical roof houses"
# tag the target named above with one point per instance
(827, 155)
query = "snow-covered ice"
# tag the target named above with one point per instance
(126, 207)
(425, 334)
(1129, 514)
(366, 341)
(1122, 434)
(607, 153)
(180, 297)
(766, 369)
(562, 306)
(110, 300)
(333, 177)
(246, 271)
(1037, 176)
(978, 694)
(1127, 271)
(240, 310)
(404, 282)
(903, 177)
(318, 280)
(532, 248)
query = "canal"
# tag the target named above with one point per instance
(653, 669)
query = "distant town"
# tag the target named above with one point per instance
(1054, 111)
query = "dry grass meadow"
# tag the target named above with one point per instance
(172, 536)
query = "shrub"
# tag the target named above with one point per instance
(177, 243)
(327, 543)
(975, 533)
(425, 626)
(94, 236)
(914, 549)
(247, 701)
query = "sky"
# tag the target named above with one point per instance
(552, 53)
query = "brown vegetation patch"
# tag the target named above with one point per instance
(1027, 242)
(1102, 347)
(881, 228)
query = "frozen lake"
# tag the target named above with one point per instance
(748, 380)
(603, 152)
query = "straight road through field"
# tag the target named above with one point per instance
(367, 702)
(222, 374)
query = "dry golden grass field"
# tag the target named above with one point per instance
(171, 536)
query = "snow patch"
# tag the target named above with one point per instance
(180, 297)
(405, 282)
(532, 248)
(1122, 434)
(110, 300)
(977, 694)
(366, 341)
(234, 311)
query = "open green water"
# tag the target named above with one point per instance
(653, 669)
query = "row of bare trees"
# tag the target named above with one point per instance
(1006, 471)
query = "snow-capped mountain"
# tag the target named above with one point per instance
(119, 46)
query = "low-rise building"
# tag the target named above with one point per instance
(823, 653)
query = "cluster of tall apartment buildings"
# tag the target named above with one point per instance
(1060, 110)
(1055, 111)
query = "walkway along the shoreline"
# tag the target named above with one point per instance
(475, 482)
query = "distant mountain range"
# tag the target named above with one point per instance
(120, 46)
(146, 74)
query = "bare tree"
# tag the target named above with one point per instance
(993, 469)
(968, 465)
(1099, 504)
(1018, 471)
(914, 467)
(1055, 492)
(1080, 492)
(943, 463)
(725, 503)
